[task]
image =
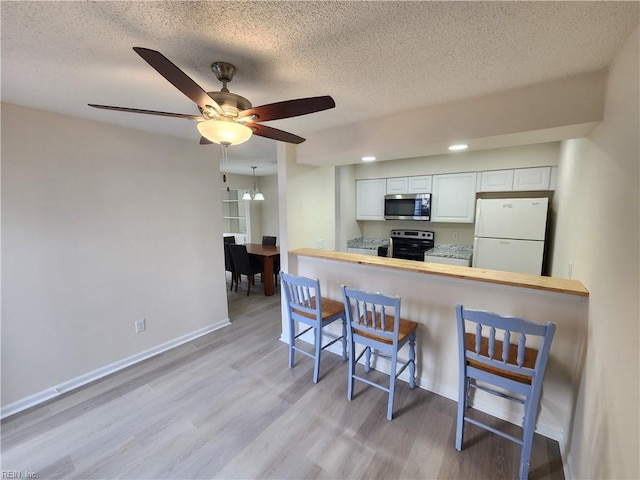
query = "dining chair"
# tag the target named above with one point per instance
(511, 368)
(229, 239)
(228, 264)
(243, 265)
(269, 240)
(307, 306)
(373, 320)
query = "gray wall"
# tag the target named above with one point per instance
(598, 233)
(101, 226)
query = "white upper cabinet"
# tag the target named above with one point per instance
(397, 185)
(553, 179)
(519, 179)
(370, 199)
(531, 178)
(496, 181)
(417, 184)
(421, 184)
(454, 198)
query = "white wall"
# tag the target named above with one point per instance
(598, 232)
(346, 225)
(263, 214)
(309, 198)
(101, 226)
(270, 218)
(545, 112)
(536, 155)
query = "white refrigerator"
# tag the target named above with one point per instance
(510, 234)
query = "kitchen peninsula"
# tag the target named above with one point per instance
(429, 293)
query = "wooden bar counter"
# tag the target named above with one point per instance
(559, 285)
(429, 293)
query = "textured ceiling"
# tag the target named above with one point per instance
(373, 58)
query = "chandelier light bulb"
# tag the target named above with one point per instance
(255, 193)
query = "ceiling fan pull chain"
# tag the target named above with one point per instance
(225, 165)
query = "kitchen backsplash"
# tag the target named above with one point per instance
(454, 233)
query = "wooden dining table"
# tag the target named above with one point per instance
(268, 254)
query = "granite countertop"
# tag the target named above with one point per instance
(367, 242)
(451, 250)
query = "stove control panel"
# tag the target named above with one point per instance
(419, 234)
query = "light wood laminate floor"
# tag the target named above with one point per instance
(226, 406)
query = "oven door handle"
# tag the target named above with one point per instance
(390, 252)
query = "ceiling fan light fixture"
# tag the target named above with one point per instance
(224, 131)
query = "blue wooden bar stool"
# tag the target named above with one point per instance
(373, 320)
(509, 370)
(307, 306)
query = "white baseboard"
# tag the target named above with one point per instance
(89, 377)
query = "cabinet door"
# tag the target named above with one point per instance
(397, 185)
(553, 178)
(420, 184)
(370, 199)
(531, 178)
(453, 198)
(496, 181)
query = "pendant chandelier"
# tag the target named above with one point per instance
(255, 193)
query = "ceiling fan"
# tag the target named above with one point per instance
(226, 118)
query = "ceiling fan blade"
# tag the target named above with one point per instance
(178, 78)
(275, 134)
(289, 108)
(148, 112)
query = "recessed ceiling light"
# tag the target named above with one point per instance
(369, 159)
(459, 146)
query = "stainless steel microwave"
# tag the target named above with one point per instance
(412, 206)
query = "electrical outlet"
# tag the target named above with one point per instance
(454, 236)
(569, 270)
(320, 243)
(140, 325)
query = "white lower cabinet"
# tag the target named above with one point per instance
(453, 198)
(370, 199)
(461, 262)
(363, 251)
